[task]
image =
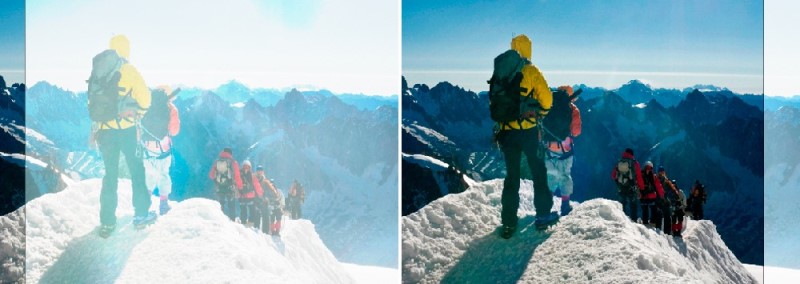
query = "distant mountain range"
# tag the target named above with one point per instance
(714, 135)
(342, 148)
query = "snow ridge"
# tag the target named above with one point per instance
(454, 239)
(194, 243)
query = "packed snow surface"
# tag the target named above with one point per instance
(194, 243)
(365, 274)
(780, 275)
(455, 240)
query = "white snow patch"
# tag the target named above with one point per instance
(10, 131)
(780, 275)
(455, 239)
(364, 274)
(30, 133)
(426, 161)
(640, 105)
(18, 159)
(429, 136)
(756, 270)
(194, 243)
(237, 105)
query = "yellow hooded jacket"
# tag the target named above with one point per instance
(532, 79)
(132, 82)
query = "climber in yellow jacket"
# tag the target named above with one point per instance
(118, 134)
(522, 136)
(532, 79)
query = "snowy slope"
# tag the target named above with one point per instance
(12, 246)
(779, 275)
(454, 239)
(194, 243)
(364, 274)
(757, 271)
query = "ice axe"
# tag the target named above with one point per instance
(573, 96)
(173, 94)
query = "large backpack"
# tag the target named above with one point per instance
(702, 189)
(247, 182)
(649, 183)
(223, 173)
(105, 103)
(625, 175)
(505, 102)
(156, 121)
(559, 118)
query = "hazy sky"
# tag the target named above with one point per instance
(782, 48)
(671, 44)
(343, 46)
(12, 41)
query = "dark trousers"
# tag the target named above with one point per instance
(514, 143)
(697, 212)
(648, 211)
(664, 218)
(266, 217)
(677, 220)
(228, 203)
(296, 211)
(630, 205)
(111, 143)
(247, 211)
(269, 215)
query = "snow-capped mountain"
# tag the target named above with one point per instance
(12, 146)
(714, 137)
(345, 156)
(455, 239)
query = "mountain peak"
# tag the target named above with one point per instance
(445, 240)
(68, 250)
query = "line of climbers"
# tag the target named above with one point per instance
(663, 204)
(261, 205)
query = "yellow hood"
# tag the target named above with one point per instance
(522, 44)
(120, 44)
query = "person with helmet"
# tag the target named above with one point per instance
(117, 135)
(295, 200)
(271, 206)
(250, 190)
(627, 176)
(697, 199)
(158, 145)
(663, 203)
(677, 201)
(227, 181)
(560, 154)
(650, 192)
(521, 136)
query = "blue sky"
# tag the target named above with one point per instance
(12, 41)
(671, 44)
(205, 43)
